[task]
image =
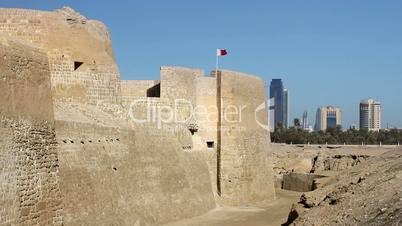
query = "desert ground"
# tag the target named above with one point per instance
(356, 186)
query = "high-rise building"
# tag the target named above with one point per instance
(327, 117)
(304, 122)
(370, 115)
(286, 108)
(281, 107)
(296, 123)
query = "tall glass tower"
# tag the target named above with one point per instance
(280, 96)
(285, 108)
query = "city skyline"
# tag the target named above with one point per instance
(377, 121)
(328, 53)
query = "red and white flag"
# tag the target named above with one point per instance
(221, 52)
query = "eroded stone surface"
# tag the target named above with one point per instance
(29, 164)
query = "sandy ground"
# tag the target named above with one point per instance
(363, 187)
(273, 214)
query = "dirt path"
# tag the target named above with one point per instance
(273, 214)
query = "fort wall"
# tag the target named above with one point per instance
(206, 137)
(246, 174)
(136, 89)
(178, 82)
(123, 176)
(29, 167)
(74, 154)
(80, 53)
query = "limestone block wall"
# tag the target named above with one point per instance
(246, 174)
(29, 176)
(29, 165)
(178, 82)
(135, 89)
(67, 38)
(24, 71)
(206, 90)
(93, 83)
(27, 25)
(117, 176)
(206, 100)
(116, 171)
(162, 114)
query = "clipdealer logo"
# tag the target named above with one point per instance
(183, 111)
(261, 107)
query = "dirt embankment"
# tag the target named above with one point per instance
(361, 187)
(321, 161)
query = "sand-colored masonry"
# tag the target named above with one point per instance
(71, 153)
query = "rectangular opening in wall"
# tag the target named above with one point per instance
(77, 64)
(154, 91)
(210, 144)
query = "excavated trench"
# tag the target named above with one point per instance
(305, 182)
(301, 182)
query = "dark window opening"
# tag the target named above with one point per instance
(210, 144)
(154, 91)
(77, 64)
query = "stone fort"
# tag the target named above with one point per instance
(72, 153)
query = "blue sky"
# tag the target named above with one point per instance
(327, 52)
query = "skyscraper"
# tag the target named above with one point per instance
(296, 123)
(280, 97)
(305, 121)
(370, 115)
(327, 117)
(286, 108)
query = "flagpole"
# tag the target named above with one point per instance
(216, 63)
(219, 125)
